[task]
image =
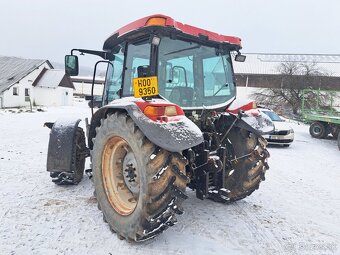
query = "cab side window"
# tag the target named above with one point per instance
(114, 78)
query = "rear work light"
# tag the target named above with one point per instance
(156, 22)
(158, 111)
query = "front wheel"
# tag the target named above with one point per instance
(249, 163)
(318, 130)
(139, 187)
(339, 140)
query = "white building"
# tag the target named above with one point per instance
(29, 81)
(53, 88)
(83, 85)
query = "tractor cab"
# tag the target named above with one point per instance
(193, 67)
(185, 65)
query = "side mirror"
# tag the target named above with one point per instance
(240, 58)
(71, 65)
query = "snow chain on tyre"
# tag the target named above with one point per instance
(249, 165)
(139, 187)
(78, 162)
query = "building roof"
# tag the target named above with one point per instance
(53, 78)
(13, 69)
(260, 63)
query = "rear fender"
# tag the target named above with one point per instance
(260, 124)
(174, 135)
(60, 146)
(257, 124)
(250, 118)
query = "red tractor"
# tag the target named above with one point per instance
(169, 120)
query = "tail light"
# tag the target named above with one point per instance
(157, 111)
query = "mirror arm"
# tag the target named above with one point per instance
(103, 54)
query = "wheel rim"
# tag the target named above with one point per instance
(317, 130)
(120, 177)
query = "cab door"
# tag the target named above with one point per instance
(114, 79)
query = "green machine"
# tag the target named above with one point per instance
(320, 108)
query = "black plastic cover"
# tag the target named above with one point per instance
(60, 146)
(261, 123)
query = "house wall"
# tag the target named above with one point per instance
(59, 96)
(10, 100)
(84, 88)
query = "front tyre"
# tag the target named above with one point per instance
(139, 187)
(249, 163)
(318, 130)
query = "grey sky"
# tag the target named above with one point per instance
(48, 29)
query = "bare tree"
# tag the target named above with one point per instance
(295, 77)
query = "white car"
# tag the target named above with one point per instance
(283, 133)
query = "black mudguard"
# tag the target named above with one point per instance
(259, 125)
(174, 136)
(60, 146)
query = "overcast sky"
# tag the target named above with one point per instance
(48, 29)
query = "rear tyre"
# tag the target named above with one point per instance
(318, 130)
(335, 132)
(139, 187)
(78, 162)
(339, 140)
(249, 170)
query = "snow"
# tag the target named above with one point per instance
(159, 174)
(295, 211)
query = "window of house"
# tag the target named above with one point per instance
(15, 91)
(27, 92)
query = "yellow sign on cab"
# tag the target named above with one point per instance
(145, 87)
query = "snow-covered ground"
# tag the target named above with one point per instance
(295, 211)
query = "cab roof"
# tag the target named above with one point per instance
(160, 22)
